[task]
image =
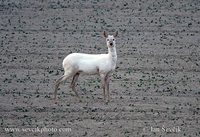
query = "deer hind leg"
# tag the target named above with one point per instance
(59, 81)
(73, 84)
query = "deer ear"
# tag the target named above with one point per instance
(116, 33)
(105, 34)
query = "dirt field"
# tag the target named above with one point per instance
(155, 89)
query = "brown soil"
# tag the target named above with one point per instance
(155, 89)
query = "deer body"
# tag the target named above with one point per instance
(101, 64)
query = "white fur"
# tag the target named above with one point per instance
(101, 64)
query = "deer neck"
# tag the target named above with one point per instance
(112, 54)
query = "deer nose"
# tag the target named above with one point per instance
(111, 44)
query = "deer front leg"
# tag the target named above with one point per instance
(107, 80)
(103, 82)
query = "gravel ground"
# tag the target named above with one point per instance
(155, 89)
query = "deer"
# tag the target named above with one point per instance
(103, 65)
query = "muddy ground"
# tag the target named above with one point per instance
(155, 89)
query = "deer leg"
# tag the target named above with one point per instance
(58, 82)
(103, 82)
(73, 84)
(107, 80)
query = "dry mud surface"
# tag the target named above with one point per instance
(155, 89)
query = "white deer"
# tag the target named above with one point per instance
(101, 64)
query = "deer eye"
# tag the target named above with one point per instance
(107, 39)
(113, 39)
